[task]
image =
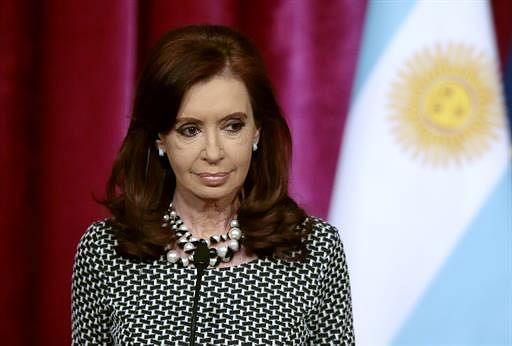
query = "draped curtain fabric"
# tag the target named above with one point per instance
(68, 70)
(501, 12)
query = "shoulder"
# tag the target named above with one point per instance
(322, 233)
(98, 239)
(324, 241)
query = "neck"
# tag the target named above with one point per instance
(204, 218)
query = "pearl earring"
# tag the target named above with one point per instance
(254, 146)
(161, 152)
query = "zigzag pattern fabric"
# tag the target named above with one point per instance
(267, 301)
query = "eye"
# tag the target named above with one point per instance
(234, 126)
(188, 130)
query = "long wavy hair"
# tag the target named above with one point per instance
(141, 185)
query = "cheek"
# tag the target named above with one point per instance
(182, 155)
(180, 162)
(243, 156)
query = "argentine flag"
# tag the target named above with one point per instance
(423, 189)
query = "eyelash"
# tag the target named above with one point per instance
(191, 130)
(187, 128)
(237, 124)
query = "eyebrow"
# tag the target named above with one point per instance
(192, 119)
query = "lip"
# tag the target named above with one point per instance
(213, 178)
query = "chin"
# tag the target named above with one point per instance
(215, 193)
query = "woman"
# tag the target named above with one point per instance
(204, 244)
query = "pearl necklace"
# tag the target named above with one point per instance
(188, 243)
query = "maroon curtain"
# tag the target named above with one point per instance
(67, 76)
(502, 12)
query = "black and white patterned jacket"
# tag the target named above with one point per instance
(267, 301)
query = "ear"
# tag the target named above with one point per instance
(256, 137)
(160, 143)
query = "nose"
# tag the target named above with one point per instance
(213, 151)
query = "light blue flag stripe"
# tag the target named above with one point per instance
(383, 19)
(470, 299)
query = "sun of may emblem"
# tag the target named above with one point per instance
(445, 105)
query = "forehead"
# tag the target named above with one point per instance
(218, 96)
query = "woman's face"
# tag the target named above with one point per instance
(210, 146)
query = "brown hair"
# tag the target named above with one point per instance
(141, 185)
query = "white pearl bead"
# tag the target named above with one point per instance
(188, 247)
(172, 256)
(233, 244)
(235, 233)
(234, 223)
(183, 228)
(221, 251)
